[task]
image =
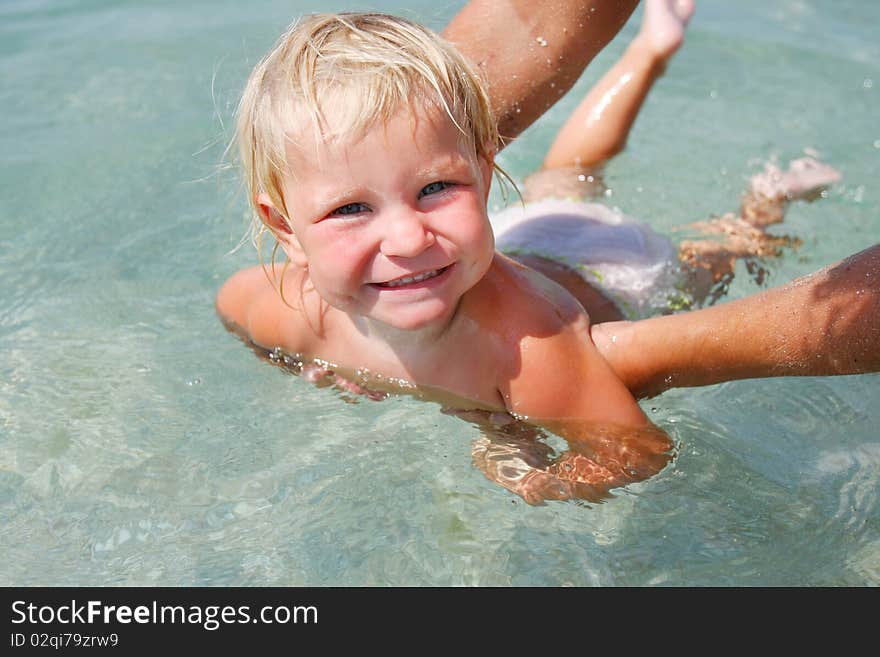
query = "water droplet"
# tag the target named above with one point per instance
(541, 41)
(608, 193)
(193, 382)
(868, 83)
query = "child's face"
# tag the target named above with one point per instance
(393, 227)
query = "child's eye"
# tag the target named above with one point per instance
(350, 208)
(434, 187)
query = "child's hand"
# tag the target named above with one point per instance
(539, 486)
(571, 476)
(322, 376)
(624, 455)
(515, 458)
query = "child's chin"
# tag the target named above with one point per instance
(417, 321)
(410, 325)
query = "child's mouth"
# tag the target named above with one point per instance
(414, 279)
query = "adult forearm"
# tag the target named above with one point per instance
(823, 324)
(532, 53)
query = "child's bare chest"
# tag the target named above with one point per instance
(464, 365)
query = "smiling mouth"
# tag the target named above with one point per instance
(416, 278)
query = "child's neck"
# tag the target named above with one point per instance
(409, 345)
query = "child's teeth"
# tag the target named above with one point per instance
(406, 280)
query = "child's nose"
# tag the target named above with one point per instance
(406, 236)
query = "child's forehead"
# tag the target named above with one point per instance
(425, 129)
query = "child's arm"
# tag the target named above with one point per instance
(249, 303)
(513, 455)
(824, 324)
(560, 382)
(532, 53)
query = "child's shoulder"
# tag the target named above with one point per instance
(534, 321)
(249, 303)
(512, 296)
(552, 369)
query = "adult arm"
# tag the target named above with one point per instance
(532, 53)
(823, 324)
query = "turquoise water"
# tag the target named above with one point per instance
(141, 444)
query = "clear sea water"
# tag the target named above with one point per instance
(141, 444)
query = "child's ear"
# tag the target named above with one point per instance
(281, 229)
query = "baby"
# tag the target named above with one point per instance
(368, 146)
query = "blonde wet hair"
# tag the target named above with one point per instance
(360, 68)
